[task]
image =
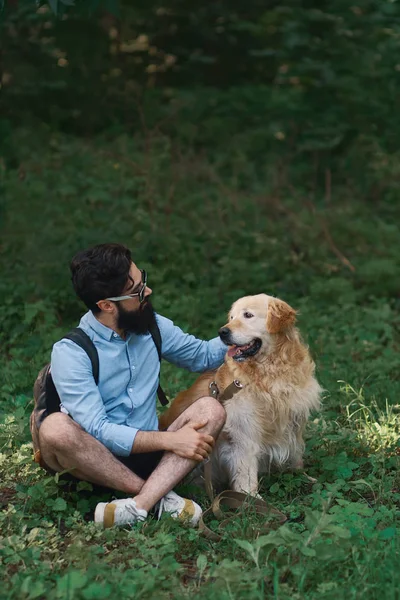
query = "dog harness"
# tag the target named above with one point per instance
(228, 393)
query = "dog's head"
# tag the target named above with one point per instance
(253, 323)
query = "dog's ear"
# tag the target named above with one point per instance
(280, 316)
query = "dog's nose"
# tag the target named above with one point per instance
(224, 332)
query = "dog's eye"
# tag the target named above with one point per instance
(248, 315)
(231, 317)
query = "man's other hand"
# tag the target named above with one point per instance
(188, 442)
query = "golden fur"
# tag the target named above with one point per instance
(265, 420)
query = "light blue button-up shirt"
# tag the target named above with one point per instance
(125, 399)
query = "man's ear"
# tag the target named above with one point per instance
(280, 316)
(106, 306)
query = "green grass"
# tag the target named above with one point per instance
(208, 231)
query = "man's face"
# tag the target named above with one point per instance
(133, 316)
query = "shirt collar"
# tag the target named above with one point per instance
(101, 330)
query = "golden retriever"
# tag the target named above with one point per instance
(268, 388)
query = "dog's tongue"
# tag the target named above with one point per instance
(233, 350)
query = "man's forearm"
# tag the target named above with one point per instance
(151, 441)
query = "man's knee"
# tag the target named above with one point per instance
(58, 431)
(212, 410)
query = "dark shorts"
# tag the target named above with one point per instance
(142, 464)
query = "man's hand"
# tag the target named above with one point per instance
(188, 442)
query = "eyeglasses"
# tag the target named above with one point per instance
(140, 293)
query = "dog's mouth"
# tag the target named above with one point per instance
(242, 352)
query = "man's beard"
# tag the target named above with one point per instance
(136, 321)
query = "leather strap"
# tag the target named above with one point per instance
(228, 393)
(208, 479)
(234, 501)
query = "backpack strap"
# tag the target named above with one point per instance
(49, 401)
(81, 339)
(156, 335)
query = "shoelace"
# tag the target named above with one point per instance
(160, 508)
(161, 505)
(132, 509)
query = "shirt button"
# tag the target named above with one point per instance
(115, 334)
(133, 368)
(130, 390)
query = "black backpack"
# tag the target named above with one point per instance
(46, 398)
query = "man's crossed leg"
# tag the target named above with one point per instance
(64, 445)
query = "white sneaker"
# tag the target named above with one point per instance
(179, 508)
(118, 513)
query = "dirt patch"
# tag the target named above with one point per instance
(6, 495)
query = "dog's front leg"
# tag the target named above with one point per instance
(243, 470)
(296, 462)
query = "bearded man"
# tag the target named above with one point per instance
(107, 433)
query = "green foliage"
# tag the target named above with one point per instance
(208, 231)
(237, 150)
(306, 69)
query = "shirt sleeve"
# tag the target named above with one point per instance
(72, 374)
(187, 351)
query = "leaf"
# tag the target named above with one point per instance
(307, 551)
(272, 539)
(34, 533)
(60, 505)
(84, 485)
(325, 551)
(312, 518)
(251, 549)
(201, 562)
(388, 533)
(96, 591)
(285, 535)
(360, 509)
(246, 546)
(37, 590)
(33, 588)
(73, 580)
(338, 531)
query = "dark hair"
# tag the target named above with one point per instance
(99, 272)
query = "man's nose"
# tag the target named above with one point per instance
(148, 291)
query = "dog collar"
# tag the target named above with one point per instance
(228, 393)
